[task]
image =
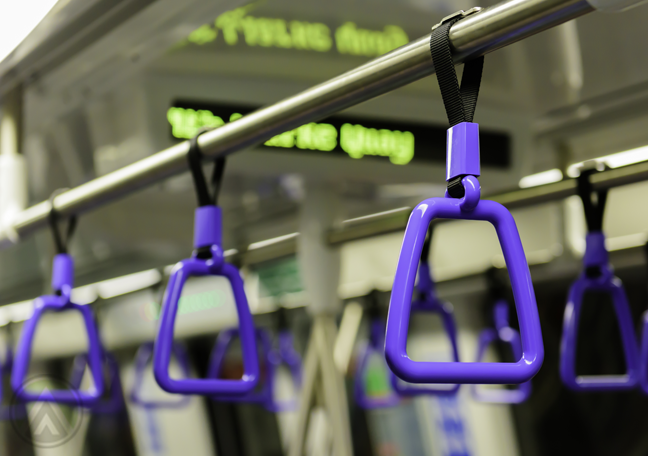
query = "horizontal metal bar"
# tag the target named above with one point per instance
(394, 221)
(486, 31)
(552, 192)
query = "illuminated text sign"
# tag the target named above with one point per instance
(399, 142)
(237, 26)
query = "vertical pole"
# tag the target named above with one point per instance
(13, 174)
(320, 269)
(11, 122)
(319, 263)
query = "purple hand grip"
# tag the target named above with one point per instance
(430, 303)
(62, 283)
(504, 333)
(401, 300)
(596, 256)
(142, 359)
(375, 344)
(208, 222)
(272, 359)
(643, 363)
(115, 402)
(462, 150)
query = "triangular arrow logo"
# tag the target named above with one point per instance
(47, 418)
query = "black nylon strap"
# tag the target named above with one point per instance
(425, 253)
(594, 210)
(646, 252)
(373, 305)
(53, 219)
(194, 157)
(282, 319)
(459, 101)
(497, 287)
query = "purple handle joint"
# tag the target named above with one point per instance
(62, 283)
(375, 345)
(509, 336)
(272, 360)
(206, 260)
(462, 202)
(429, 302)
(598, 276)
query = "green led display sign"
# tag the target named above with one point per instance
(355, 137)
(237, 26)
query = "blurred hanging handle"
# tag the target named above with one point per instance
(511, 337)
(597, 276)
(59, 301)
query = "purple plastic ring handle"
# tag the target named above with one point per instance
(596, 256)
(272, 360)
(207, 233)
(401, 300)
(643, 364)
(142, 359)
(375, 344)
(16, 410)
(504, 333)
(62, 275)
(430, 303)
(115, 402)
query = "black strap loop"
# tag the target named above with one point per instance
(459, 102)
(194, 157)
(594, 209)
(53, 219)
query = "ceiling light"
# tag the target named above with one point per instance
(545, 177)
(267, 242)
(18, 19)
(617, 160)
(112, 288)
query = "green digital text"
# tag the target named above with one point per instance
(237, 26)
(356, 140)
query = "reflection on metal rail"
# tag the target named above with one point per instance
(396, 220)
(492, 28)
